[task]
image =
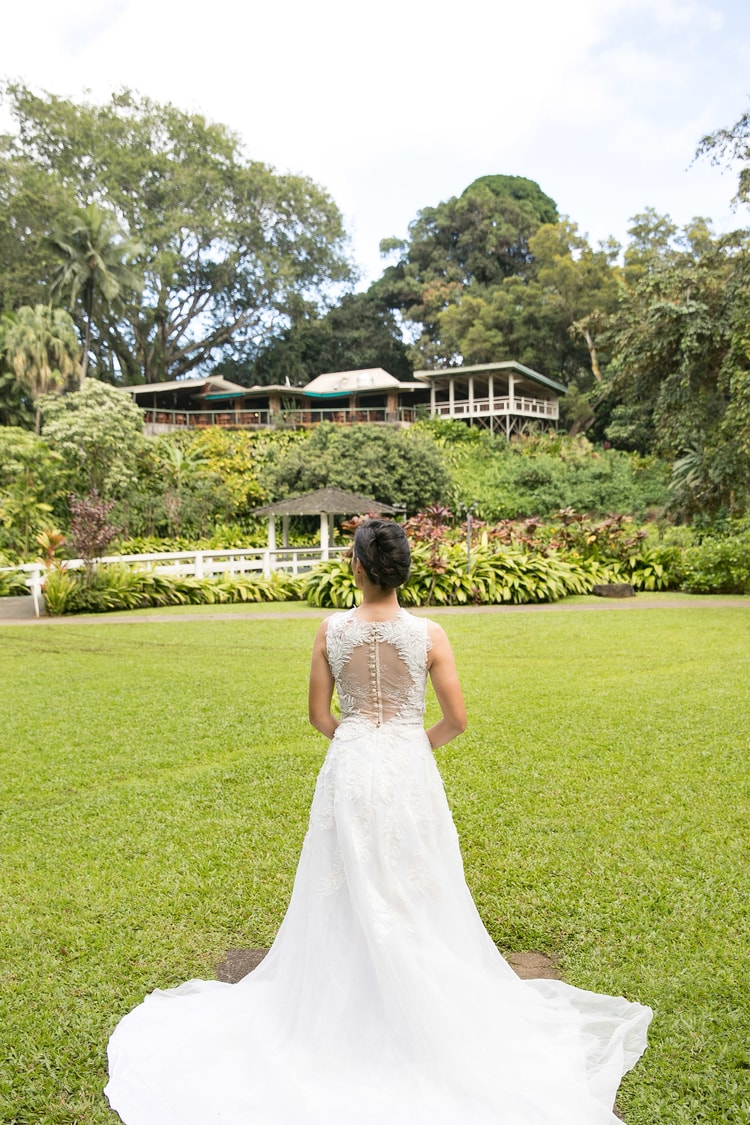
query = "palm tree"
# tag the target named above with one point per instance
(42, 350)
(95, 264)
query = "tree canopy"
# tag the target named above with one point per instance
(471, 241)
(40, 347)
(359, 332)
(681, 366)
(393, 466)
(98, 432)
(230, 250)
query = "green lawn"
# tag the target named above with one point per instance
(155, 780)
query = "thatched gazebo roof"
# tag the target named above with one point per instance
(326, 501)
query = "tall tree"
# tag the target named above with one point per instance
(681, 350)
(94, 268)
(731, 146)
(358, 332)
(42, 350)
(549, 319)
(470, 243)
(232, 251)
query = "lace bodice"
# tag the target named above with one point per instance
(380, 667)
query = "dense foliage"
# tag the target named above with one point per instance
(543, 473)
(453, 564)
(177, 254)
(204, 485)
(397, 467)
(681, 369)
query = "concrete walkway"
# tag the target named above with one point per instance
(14, 611)
(20, 611)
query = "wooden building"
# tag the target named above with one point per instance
(505, 396)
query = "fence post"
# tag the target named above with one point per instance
(36, 590)
(198, 568)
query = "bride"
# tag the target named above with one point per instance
(383, 999)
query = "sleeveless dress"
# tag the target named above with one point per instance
(383, 1000)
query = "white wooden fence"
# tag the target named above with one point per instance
(200, 564)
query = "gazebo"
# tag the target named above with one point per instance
(324, 502)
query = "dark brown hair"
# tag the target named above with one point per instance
(382, 548)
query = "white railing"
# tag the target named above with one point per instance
(536, 407)
(199, 564)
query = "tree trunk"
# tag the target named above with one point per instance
(592, 354)
(87, 334)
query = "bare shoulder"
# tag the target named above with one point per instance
(436, 632)
(321, 634)
(440, 646)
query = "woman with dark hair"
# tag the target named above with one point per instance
(383, 998)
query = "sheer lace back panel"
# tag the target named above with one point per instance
(380, 667)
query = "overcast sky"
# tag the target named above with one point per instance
(397, 105)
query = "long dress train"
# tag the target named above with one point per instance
(383, 998)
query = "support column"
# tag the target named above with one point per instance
(451, 397)
(433, 398)
(285, 531)
(491, 394)
(512, 394)
(272, 532)
(324, 540)
(471, 394)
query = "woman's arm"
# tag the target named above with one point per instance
(442, 669)
(320, 692)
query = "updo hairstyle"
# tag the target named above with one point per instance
(382, 548)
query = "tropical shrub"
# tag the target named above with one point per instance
(12, 582)
(654, 568)
(120, 587)
(441, 577)
(717, 566)
(30, 483)
(60, 585)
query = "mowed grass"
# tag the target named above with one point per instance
(154, 787)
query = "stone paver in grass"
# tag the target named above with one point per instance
(237, 963)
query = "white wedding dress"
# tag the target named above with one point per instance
(383, 1000)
